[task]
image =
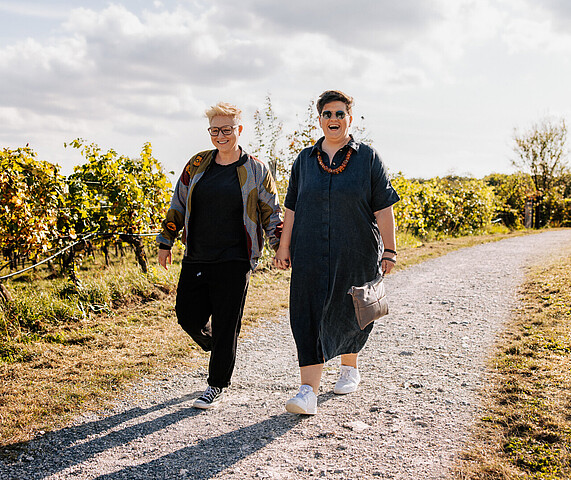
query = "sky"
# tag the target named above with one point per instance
(441, 84)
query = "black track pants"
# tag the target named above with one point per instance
(209, 306)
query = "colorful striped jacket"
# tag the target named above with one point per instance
(259, 196)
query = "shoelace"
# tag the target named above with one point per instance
(210, 394)
(346, 374)
(304, 393)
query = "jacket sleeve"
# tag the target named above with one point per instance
(269, 207)
(174, 220)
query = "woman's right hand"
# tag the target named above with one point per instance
(282, 259)
(165, 258)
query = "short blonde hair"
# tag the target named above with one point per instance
(224, 109)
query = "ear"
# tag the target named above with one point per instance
(350, 120)
(240, 128)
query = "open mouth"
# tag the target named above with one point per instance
(334, 127)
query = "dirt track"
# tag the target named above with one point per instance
(422, 370)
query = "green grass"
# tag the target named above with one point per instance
(526, 429)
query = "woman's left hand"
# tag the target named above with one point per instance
(388, 261)
(386, 223)
(282, 258)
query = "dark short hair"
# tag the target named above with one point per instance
(334, 96)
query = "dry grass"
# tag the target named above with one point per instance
(80, 366)
(268, 295)
(526, 431)
(86, 368)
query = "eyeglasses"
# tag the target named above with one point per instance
(226, 130)
(339, 114)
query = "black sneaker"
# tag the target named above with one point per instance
(211, 397)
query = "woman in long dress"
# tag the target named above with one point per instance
(338, 232)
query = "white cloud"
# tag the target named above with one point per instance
(532, 34)
(145, 70)
(114, 53)
(382, 24)
(559, 11)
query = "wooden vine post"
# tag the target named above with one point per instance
(5, 293)
(137, 243)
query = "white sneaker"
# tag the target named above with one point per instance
(348, 381)
(304, 403)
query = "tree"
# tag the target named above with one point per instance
(360, 132)
(541, 151)
(267, 133)
(511, 192)
(306, 134)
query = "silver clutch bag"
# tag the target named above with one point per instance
(370, 301)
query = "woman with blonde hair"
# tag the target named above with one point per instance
(222, 201)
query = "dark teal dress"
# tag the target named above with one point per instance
(335, 244)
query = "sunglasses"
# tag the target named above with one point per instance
(226, 130)
(339, 114)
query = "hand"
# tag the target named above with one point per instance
(282, 259)
(388, 262)
(165, 258)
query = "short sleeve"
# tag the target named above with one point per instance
(291, 194)
(383, 194)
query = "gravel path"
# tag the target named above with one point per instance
(422, 370)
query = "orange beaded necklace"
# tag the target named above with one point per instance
(340, 168)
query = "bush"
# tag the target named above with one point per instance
(446, 206)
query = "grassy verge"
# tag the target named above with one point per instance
(69, 352)
(526, 430)
(64, 351)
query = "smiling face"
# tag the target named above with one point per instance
(226, 143)
(335, 129)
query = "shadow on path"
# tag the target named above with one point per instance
(73, 445)
(210, 456)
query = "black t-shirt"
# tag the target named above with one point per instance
(216, 227)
